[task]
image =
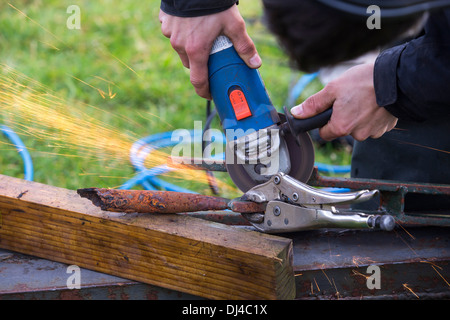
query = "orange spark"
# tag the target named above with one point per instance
(316, 284)
(405, 285)
(403, 240)
(103, 79)
(361, 260)
(37, 23)
(420, 145)
(156, 116)
(100, 91)
(110, 94)
(50, 45)
(124, 64)
(337, 291)
(31, 109)
(412, 237)
(357, 273)
(440, 275)
(434, 266)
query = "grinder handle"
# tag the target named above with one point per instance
(297, 126)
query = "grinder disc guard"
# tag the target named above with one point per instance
(301, 154)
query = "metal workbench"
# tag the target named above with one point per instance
(328, 264)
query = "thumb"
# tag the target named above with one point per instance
(245, 47)
(247, 51)
(314, 105)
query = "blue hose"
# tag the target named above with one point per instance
(147, 178)
(15, 139)
(333, 169)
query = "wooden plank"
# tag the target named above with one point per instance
(178, 252)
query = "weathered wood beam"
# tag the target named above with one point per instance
(178, 252)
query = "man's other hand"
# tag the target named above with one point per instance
(355, 110)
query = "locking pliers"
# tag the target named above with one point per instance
(291, 205)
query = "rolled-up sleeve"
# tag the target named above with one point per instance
(412, 81)
(194, 8)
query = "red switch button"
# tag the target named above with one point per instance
(240, 105)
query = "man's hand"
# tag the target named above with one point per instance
(355, 110)
(192, 39)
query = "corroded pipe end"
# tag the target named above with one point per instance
(91, 194)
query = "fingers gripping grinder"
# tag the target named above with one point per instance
(270, 155)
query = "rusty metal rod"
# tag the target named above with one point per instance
(146, 201)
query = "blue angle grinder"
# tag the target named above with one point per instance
(260, 141)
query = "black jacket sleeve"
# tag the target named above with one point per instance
(194, 8)
(412, 81)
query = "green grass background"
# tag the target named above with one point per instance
(44, 49)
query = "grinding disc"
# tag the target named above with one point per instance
(301, 154)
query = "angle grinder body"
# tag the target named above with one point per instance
(260, 141)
